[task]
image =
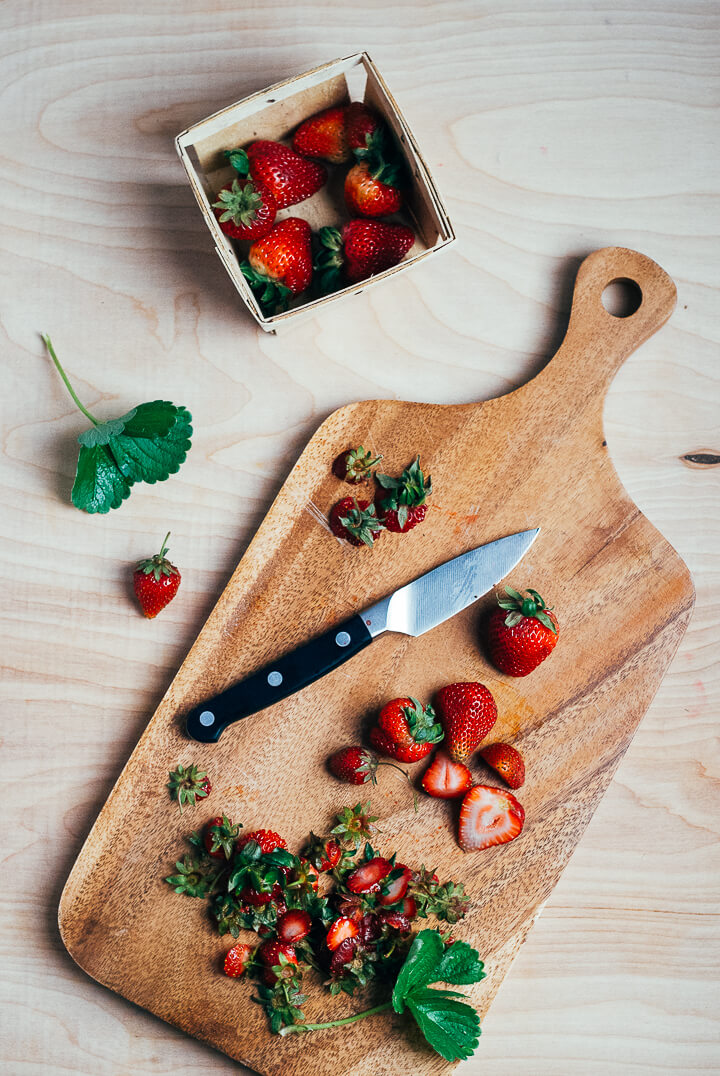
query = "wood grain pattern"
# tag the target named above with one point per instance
(552, 130)
(535, 457)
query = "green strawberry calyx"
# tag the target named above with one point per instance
(273, 297)
(187, 785)
(158, 565)
(359, 463)
(519, 606)
(422, 722)
(382, 159)
(328, 262)
(409, 491)
(362, 523)
(240, 203)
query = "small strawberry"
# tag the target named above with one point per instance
(355, 521)
(521, 633)
(467, 712)
(399, 751)
(265, 838)
(408, 722)
(403, 507)
(156, 582)
(323, 135)
(446, 779)
(357, 766)
(361, 249)
(258, 898)
(293, 926)
(188, 785)
(244, 209)
(489, 816)
(395, 885)
(289, 177)
(354, 465)
(339, 931)
(507, 761)
(324, 853)
(220, 837)
(367, 877)
(280, 960)
(279, 266)
(360, 123)
(237, 960)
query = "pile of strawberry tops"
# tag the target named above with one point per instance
(285, 259)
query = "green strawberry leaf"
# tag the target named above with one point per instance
(418, 970)
(99, 485)
(451, 1027)
(152, 458)
(460, 965)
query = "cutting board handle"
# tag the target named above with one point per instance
(598, 342)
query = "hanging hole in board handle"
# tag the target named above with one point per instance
(622, 297)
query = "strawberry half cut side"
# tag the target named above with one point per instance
(489, 816)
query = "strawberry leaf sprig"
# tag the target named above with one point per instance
(147, 444)
(450, 1025)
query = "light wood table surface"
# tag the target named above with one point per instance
(552, 129)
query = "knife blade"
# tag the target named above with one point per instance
(412, 610)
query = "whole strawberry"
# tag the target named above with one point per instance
(401, 752)
(360, 124)
(467, 712)
(156, 582)
(355, 765)
(354, 465)
(355, 521)
(279, 266)
(520, 633)
(372, 193)
(407, 722)
(237, 960)
(363, 248)
(323, 135)
(403, 505)
(289, 177)
(245, 209)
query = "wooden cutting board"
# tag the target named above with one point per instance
(535, 457)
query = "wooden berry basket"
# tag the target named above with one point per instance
(274, 113)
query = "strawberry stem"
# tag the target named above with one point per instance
(407, 777)
(63, 375)
(336, 1023)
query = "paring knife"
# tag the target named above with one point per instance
(412, 610)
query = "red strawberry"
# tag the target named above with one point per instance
(324, 854)
(220, 836)
(467, 713)
(402, 752)
(371, 188)
(521, 632)
(277, 954)
(245, 210)
(403, 505)
(294, 925)
(340, 931)
(237, 960)
(489, 816)
(396, 920)
(323, 135)
(363, 248)
(408, 722)
(360, 124)
(289, 177)
(355, 521)
(367, 877)
(258, 898)
(446, 779)
(355, 465)
(368, 929)
(343, 955)
(395, 886)
(267, 840)
(355, 765)
(507, 761)
(280, 265)
(156, 582)
(409, 907)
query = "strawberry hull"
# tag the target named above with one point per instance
(276, 114)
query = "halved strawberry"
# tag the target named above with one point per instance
(395, 886)
(340, 931)
(409, 907)
(507, 761)
(343, 955)
(367, 877)
(237, 960)
(293, 926)
(446, 779)
(489, 816)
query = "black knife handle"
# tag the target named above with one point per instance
(283, 677)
